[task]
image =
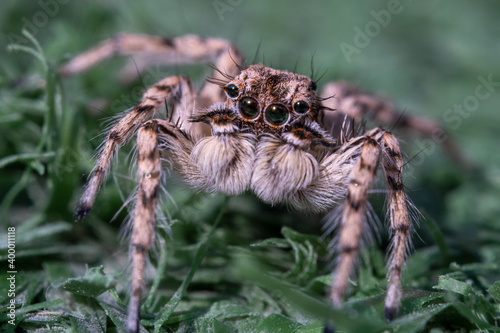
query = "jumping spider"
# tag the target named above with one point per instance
(258, 129)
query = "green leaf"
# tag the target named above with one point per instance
(447, 283)
(305, 255)
(474, 317)
(93, 284)
(249, 324)
(416, 321)
(260, 301)
(494, 291)
(477, 266)
(316, 327)
(278, 323)
(248, 268)
(37, 306)
(169, 308)
(227, 310)
(212, 325)
(299, 237)
(272, 242)
(86, 324)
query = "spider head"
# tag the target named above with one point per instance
(270, 99)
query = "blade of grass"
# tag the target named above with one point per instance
(37, 52)
(437, 235)
(169, 308)
(250, 269)
(162, 266)
(26, 157)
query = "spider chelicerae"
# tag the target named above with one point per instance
(259, 129)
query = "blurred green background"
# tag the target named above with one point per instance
(430, 57)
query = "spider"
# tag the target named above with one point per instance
(255, 129)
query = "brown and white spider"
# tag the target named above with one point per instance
(257, 129)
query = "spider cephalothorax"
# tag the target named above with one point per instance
(270, 99)
(257, 129)
(264, 137)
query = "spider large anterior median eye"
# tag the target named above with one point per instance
(301, 107)
(232, 91)
(249, 108)
(276, 114)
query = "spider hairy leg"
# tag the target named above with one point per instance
(175, 139)
(153, 100)
(354, 214)
(400, 222)
(149, 50)
(144, 217)
(360, 105)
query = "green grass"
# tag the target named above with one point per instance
(237, 264)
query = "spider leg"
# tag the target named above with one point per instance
(144, 217)
(354, 213)
(150, 50)
(162, 139)
(171, 88)
(400, 222)
(379, 145)
(160, 50)
(358, 105)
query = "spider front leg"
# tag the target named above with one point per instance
(400, 222)
(354, 214)
(144, 217)
(176, 88)
(379, 145)
(221, 162)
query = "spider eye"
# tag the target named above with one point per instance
(232, 91)
(249, 108)
(276, 114)
(301, 107)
